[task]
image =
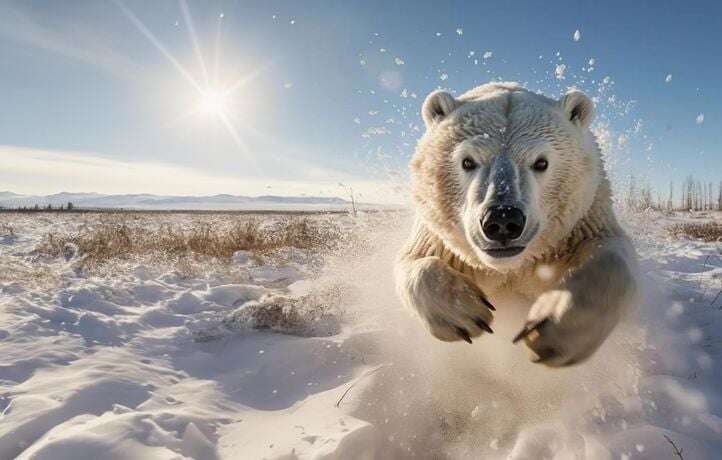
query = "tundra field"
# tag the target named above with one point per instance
(277, 336)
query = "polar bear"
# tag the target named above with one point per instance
(512, 197)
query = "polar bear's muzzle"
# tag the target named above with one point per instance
(499, 215)
(503, 223)
(502, 226)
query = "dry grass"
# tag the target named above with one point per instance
(705, 231)
(119, 239)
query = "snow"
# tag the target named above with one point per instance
(700, 119)
(150, 361)
(668, 78)
(577, 35)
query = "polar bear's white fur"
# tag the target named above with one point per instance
(502, 145)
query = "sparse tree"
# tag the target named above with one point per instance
(632, 193)
(688, 196)
(684, 196)
(645, 197)
(710, 197)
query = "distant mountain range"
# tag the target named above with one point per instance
(155, 202)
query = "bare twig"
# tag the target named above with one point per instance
(351, 195)
(715, 298)
(366, 374)
(677, 451)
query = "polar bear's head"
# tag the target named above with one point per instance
(503, 174)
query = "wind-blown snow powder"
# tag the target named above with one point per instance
(156, 362)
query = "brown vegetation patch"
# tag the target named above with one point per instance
(705, 231)
(119, 239)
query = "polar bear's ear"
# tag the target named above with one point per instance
(437, 106)
(578, 107)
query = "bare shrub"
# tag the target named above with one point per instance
(7, 230)
(115, 239)
(705, 231)
(316, 314)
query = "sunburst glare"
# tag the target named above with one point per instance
(212, 99)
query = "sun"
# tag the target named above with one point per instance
(212, 102)
(213, 98)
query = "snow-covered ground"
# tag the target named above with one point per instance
(146, 361)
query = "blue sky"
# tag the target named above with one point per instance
(330, 92)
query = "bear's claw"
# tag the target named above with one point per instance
(482, 325)
(488, 304)
(528, 329)
(464, 334)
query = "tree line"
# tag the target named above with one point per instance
(47, 207)
(691, 195)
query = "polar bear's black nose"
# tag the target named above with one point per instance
(503, 223)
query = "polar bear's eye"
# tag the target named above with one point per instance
(468, 164)
(540, 165)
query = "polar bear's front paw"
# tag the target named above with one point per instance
(559, 333)
(451, 306)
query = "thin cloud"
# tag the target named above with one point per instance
(73, 42)
(34, 171)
